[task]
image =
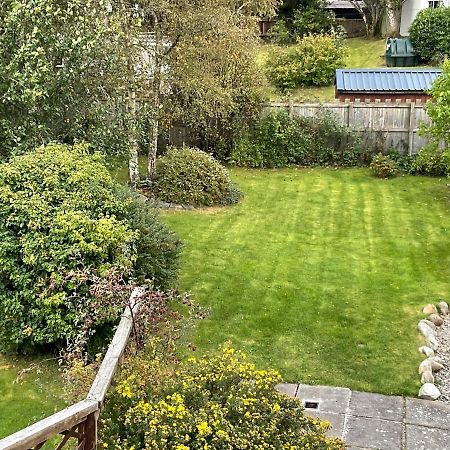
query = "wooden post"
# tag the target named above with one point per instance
(412, 124)
(89, 435)
(351, 114)
(291, 109)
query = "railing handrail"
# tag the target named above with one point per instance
(73, 415)
(115, 351)
(50, 426)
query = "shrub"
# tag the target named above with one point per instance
(157, 248)
(220, 402)
(64, 228)
(383, 166)
(312, 18)
(311, 62)
(433, 160)
(430, 35)
(279, 141)
(405, 163)
(191, 177)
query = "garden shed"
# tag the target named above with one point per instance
(396, 85)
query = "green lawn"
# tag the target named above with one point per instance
(38, 394)
(362, 52)
(321, 273)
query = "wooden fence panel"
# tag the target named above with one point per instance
(399, 123)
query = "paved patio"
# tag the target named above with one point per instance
(374, 421)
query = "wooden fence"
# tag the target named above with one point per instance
(77, 424)
(397, 123)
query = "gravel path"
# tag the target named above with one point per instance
(443, 376)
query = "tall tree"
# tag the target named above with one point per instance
(61, 74)
(176, 33)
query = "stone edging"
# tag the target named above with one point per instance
(154, 203)
(432, 363)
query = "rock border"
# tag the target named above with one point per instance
(154, 203)
(427, 368)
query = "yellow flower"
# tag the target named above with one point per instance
(181, 447)
(276, 407)
(203, 429)
(105, 445)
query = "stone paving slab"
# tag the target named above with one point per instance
(337, 422)
(428, 413)
(372, 421)
(289, 389)
(373, 433)
(330, 399)
(425, 438)
(377, 406)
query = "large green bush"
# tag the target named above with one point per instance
(64, 225)
(220, 402)
(279, 141)
(312, 61)
(430, 34)
(189, 176)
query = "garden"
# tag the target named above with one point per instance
(269, 247)
(320, 273)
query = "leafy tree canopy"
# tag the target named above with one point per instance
(61, 72)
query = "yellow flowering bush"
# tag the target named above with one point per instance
(218, 402)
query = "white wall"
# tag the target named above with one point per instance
(409, 11)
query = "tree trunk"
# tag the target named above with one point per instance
(133, 163)
(393, 15)
(153, 148)
(156, 88)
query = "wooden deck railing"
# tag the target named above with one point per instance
(78, 423)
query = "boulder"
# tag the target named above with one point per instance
(429, 392)
(432, 343)
(427, 377)
(426, 329)
(443, 308)
(429, 309)
(429, 323)
(427, 351)
(425, 366)
(436, 319)
(436, 363)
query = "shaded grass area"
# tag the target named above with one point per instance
(321, 273)
(362, 52)
(34, 396)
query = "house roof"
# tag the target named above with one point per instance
(382, 80)
(341, 4)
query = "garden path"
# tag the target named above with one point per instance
(374, 421)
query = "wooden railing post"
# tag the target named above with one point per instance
(90, 432)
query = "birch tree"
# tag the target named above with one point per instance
(173, 28)
(372, 12)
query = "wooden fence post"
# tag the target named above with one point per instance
(412, 124)
(90, 432)
(291, 109)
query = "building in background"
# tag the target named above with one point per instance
(394, 85)
(410, 8)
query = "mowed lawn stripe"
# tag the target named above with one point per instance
(321, 273)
